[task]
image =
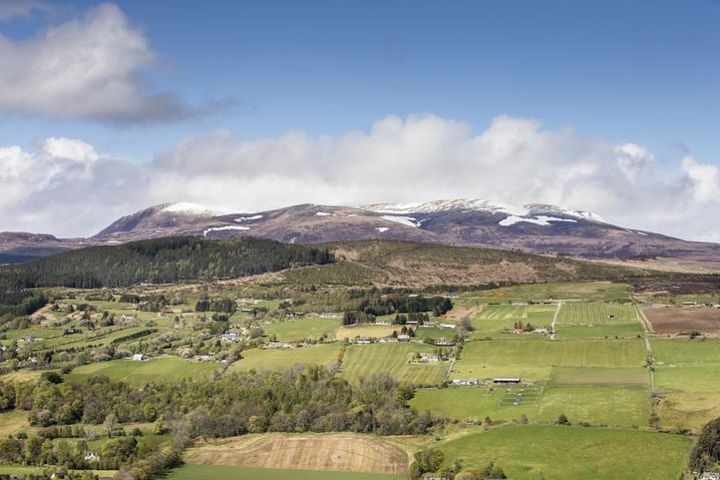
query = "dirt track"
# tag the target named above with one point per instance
(338, 452)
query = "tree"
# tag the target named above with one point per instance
(562, 419)
(426, 461)
(705, 454)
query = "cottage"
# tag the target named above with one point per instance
(403, 338)
(388, 340)
(91, 456)
(229, 337)
(363, 341)
(203, 358)
(429, 358)
(139, 357)
(542, 330)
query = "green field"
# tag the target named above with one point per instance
(496, 318)
(681, 351)
(218, 472)
(366, 330)
(472, 403)
(532, 452)
(597, 313)
(301, 328)
(393, 359)
(152, 370)
(527, 358)
(268, 359)
(589, 291)
(599, 405)
(690, 395)
(600, 376)
(628, 330)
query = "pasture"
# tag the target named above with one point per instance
(532, 452)
(473, 403)
(597, 313)
(682, 351)
(588, 291)
(296, 329)
(281, 359)
(368, 330)
(496, 318)
(598, 405)
(690, 395)
(160, 369)
(393, 359)
(219, 472)
(479, 358)
(341, 452)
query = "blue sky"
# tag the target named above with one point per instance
(646, 72)
(615, 72)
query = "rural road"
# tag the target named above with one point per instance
(554, 321)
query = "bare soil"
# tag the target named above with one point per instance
(685, 319)
(337, 452)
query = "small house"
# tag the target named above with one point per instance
(363, 341)
(91, 456)
(139, 357)
(465, 381)
(403, 338)
(229, 337)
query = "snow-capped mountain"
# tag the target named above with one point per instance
(535, 228)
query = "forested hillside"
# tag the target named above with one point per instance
(160, 261)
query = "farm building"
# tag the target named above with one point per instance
(542, 331)
(229, 337)
(202, 358)
(506, 380)
(447, 325)
(429, 358)
(91, 456)
(363, 341)
(139, 357)
(465, 381)
(403, 338)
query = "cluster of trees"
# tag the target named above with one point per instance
(432, 461)
(19, 303)
(163, 260)
(420, 318)
(221, 305)
(299, 400)
(376, 304)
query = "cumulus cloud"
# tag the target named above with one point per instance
(421, 157)
(88, 67)
(10, 9)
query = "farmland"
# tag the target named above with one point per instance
(393, 359)
(219, 472)
(336, 452)
(684, 320)
(531, 452)
(165, 368)
(302, 328)
(281, 359)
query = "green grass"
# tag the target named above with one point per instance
(690, 395)
(629, 330)
(218, 472)
(392, 358)
(153, 370)
(532, 452)
(470, 403)
(599, 405)
(301, 328)
(600, 376)
(484, 359)
(267, 359)
(596, 313)
(682, 351)
(496, 318)
(366, 330)
(23, 470)
(588, 291)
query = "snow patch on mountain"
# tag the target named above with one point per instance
(224, 228)
(248, 219)
(539, 220)
(188, 208)
(382, 229)
(407, 221)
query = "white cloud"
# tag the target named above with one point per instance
(88, 67)
(10, 9)
(421, 157)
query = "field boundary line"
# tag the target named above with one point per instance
(554, 320)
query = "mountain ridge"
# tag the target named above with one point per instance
(533, 228)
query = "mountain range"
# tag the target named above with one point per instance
(534, 228)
